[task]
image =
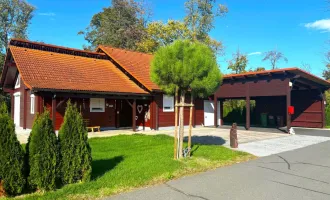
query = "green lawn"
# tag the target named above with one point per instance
(124, 162)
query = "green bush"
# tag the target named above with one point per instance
(75, 152)
(327, 115)
(42, 153)
(11, 155)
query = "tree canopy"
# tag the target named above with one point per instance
(121, 25)
(274, 56)
(188, 66)
(238, 63)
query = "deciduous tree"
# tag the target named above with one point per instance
(238, 63)
(121, 25)
(274, 57)
(189, 67)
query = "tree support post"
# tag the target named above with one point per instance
(176, 156)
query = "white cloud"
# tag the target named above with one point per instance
(323, 24)
(255, 53)
(47, 14)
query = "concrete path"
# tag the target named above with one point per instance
(282, 144)
(203, 135)
(295, 175)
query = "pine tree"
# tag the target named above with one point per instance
(43, 153)
(75, 152)
(11, 156)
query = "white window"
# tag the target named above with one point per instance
(18, 82)
(32, 97)
(97, 105)
(168, 103)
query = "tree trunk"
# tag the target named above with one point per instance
(181, 123)
(176, 124)
(190, 123)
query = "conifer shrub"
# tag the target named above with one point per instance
(43, 152)
(74, 150)
(12, 177)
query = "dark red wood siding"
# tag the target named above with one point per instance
(308, 108)
(167, 118)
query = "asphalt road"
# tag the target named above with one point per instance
(298, 174)
(312, 132)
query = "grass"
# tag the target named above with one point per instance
(123, 162)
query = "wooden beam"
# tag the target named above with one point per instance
(215, 104)
(54, 112)
(134, 115)
(288, 103)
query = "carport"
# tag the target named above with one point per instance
(274, 92)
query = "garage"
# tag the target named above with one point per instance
(283, 98)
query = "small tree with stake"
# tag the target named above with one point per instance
(183, 67)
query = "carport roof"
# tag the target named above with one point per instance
(299, 72)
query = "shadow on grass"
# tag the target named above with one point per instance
(100, 167)
(206, 140)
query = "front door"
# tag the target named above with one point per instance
(209, 113)
(17, 108)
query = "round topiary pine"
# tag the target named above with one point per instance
(12, 175)
(43, 153)
(75, 152)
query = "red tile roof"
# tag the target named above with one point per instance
(135, 63)
(57, 71)
(293, 70)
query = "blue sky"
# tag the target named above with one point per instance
(299, 29)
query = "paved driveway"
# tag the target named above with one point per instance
(299, 174)
(313, 132)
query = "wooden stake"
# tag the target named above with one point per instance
(176, 125)
(190, 123)
(181, 124)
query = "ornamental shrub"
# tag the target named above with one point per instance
(12, 177)
(74, 149)
(43, 153)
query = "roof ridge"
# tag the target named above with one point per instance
(108, 46)
(56, 49)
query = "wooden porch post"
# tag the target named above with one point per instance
(215, 104)
(323, 110)
(248, 113)
(221, 112)
(288, 103)
(54, 112)
(134, 115)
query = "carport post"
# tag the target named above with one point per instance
(134, 115)
(288, 103)
(248, 109)
(215, 104)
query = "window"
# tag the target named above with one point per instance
(97, 105)
(18, 82)
(32, 103)
(168, 103)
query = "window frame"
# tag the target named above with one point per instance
(32, 103)
(165, 104)
(101, 106)
(18, 82)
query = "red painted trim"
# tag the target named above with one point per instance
(215, 104)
